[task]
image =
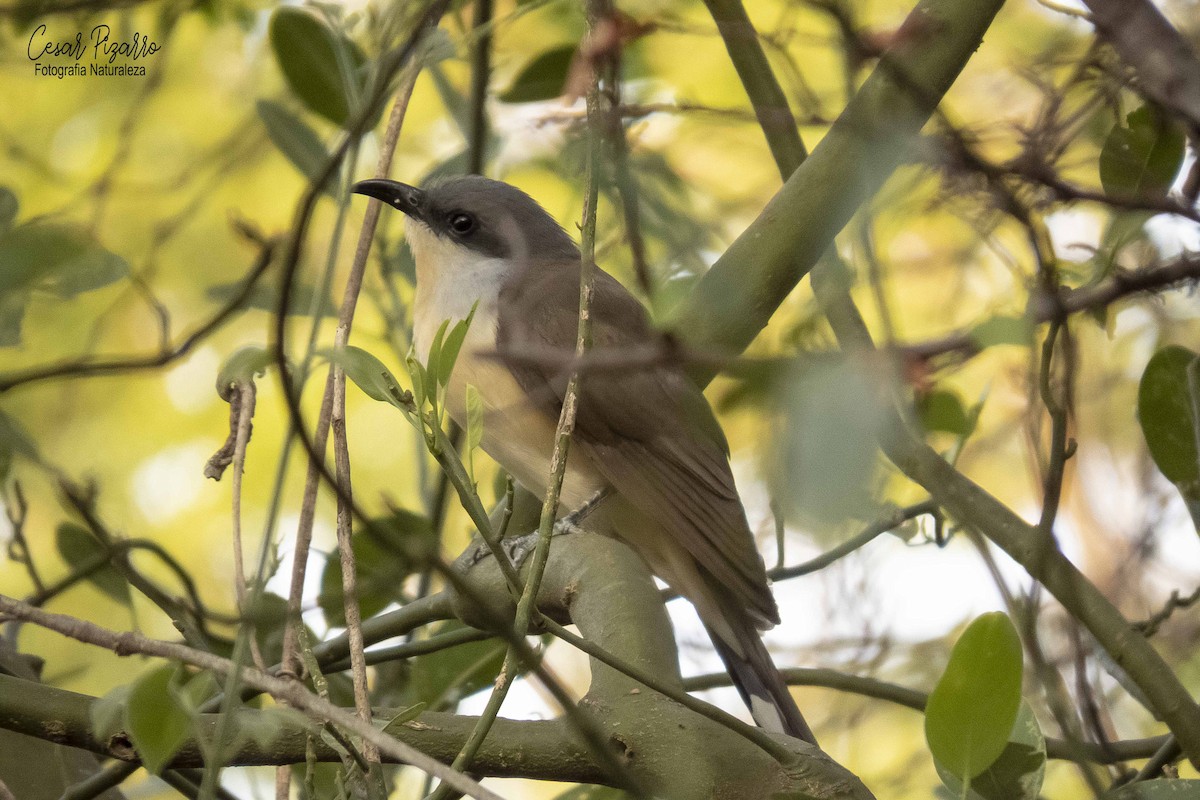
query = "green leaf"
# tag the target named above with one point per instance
(12, 317)
(443, 678)
(298, 142)
(943, 410)
(452, 345)
(1165, 412)
(385, 553)
(418, 376)
(543, 78)
(1003, 330)
(78, 547)
(970, 714)
(369, 374)
(1142, 157)
(307, 49)
(194, 691)
(453, 101)
(155, 720)
(434, 359)
(1161, 789)
(826, 462)
(393, 725)
(56, 257)
(8, 209)
(474, 417)
(107, 714)
(14, 441)
(265, 726)
(243, 365)
(1019, 771)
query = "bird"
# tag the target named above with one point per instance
(645, 439)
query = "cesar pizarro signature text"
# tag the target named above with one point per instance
(106, 56)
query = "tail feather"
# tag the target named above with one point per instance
(761, 685)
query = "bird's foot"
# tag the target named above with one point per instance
(519, 548)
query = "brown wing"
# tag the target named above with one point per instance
(648, 430)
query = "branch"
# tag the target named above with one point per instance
(129, 643)
(1163, 59)
(529, 749)
(1073, 301)
(736, 298)
(1098, 752)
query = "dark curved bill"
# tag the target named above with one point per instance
(408, 199)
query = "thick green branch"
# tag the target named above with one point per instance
(736, 298)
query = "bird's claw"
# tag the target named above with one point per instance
(520, 548)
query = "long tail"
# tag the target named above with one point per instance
(761, 685)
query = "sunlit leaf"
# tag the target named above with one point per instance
(56, 257)
(368, 373)
(451, 347)
(418, 376)
(970, 714)
(307, 49)
(155, 720)
(8, 209)
(1165, 413)
(474, 417)
(433, 360)
(1019, 771)
(943, 410)
(298, 142)
(543, 78)
(1142, 157)
(79, 548)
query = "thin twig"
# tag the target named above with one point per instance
(245, 393)
(345, 322)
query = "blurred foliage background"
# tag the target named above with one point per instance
(148, 179)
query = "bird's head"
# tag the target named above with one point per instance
(473, 218)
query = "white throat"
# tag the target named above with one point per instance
(451, 279)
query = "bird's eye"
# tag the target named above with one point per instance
(461, 222)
